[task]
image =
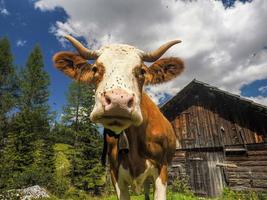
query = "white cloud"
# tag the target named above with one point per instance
(21, 43)
(263, 89)
(223, 47)
(3, 10)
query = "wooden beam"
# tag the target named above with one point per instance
(230, 165)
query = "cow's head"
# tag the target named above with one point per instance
(119, 74)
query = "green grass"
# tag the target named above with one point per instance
(171, 196)
(227, 195)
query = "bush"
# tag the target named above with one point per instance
(60, 187)
(242, 195)
(76, 194)
(10, 195)
(180, 185)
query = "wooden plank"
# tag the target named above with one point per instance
(257, 153)
(256, 147)
(201, 135)
(259, 183)
(196, 170)
(209, 127)
(195, 159)
(239, 118)
(234, 149)
(226, 134)
(197, 128)
(214, 173)
(245, 158)
(251, 163)
(230, 165)
(191, 125)
(239, 182)
(214, 128)
(247, 175)
(179, 154)
(248, 169)
(206, 127)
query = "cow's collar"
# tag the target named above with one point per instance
(123, 142)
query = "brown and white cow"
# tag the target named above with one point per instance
(131, 118)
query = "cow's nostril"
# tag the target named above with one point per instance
(108, 100)
(130, 103)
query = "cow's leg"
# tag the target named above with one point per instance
(122, 190)
(161, 184)
(121, 187)
(147, 189)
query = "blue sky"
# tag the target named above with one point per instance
(26, 27)
(237, 68)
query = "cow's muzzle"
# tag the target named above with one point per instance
(117, 102)
(118, 110)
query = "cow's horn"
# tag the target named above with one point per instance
(83, 51)
(155, 55)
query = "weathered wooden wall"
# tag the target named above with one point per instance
(221, 141)
(206, 178)
(214, 121)
(251, 170)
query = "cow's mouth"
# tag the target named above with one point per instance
(114, 122)
(117, 121)
(112, 117)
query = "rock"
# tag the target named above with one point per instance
(33, 192)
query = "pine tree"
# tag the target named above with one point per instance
(8, 94)
(87, 173)
(34, 87)
(32, 120)
(8, 87)
(31, 124)
(9, 163)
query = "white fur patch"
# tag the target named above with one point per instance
(137, 183)
(160, 190)
(119, 61)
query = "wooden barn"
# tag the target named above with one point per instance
(221, 140)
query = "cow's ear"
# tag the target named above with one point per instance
(164, 70)
(74, 66)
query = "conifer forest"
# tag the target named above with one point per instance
(37, 149)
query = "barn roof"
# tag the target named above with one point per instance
(195, 83)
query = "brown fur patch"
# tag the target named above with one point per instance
(76, 67)
(163, 174)
(165, 69)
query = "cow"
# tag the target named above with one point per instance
(140, 141)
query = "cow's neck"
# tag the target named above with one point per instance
(149, 108)
(151, 117)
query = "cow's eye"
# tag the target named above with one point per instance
(94, 69)
(142, 71)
